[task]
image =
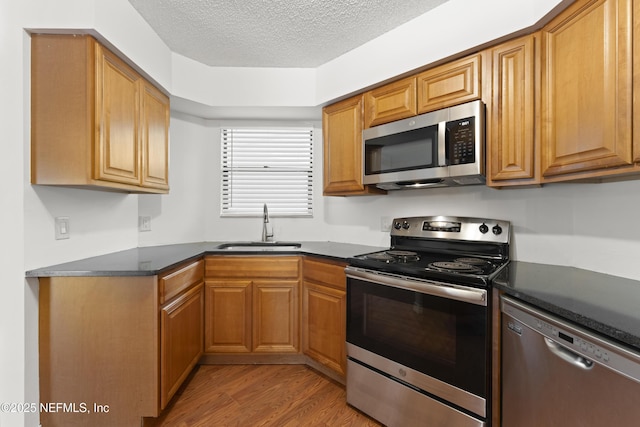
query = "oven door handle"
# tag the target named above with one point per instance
(429, 287)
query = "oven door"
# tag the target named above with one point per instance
(430, 335)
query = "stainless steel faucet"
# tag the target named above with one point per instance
(265, 220)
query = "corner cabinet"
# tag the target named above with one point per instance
(181, 326)
(324, 305)
(96, 122)
(587, 91)
(342, 124)
(252, 305)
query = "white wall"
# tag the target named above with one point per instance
(179, 217)
(590, 226)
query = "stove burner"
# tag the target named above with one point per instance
(404, 256)
(455, 266)
(472, 261)
(380, 256)
(393, 256)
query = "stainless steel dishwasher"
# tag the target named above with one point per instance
(555, 373)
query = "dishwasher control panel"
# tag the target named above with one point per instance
(583, 345)
(577, 344)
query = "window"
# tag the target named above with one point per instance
(272, 166)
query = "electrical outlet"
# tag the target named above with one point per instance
(144, 223)
(62, 225)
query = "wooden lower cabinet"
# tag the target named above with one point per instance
(252, 305)
(227, 317)
(181, 324)
(275, 316)
(324, 299)
(110, 341)
(99, 343)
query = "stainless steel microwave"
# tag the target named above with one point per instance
(437, 149)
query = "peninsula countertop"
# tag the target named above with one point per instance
(152, 260)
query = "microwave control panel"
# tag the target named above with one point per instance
(461, 143)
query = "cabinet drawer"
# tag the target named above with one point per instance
(173, 283)
(323, 271)
(449, 84)
(275, 267)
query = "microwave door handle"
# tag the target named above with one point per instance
(443, 137)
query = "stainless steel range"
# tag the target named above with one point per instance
(418, 322)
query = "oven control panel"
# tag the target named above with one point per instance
(455, 228)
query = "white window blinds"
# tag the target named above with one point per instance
(272, 166)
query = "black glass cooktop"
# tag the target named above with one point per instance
(461, 269)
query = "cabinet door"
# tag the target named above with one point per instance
(117, 117)
(586, 89)
(343, 159)
(449, 84)
(155, 138)
(636, 84)
(275, 316)
(181, 341)
(342, 131)
(511, 127)
(227, 326)
(324, 323)
(390, 102)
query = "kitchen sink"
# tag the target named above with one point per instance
(258, 246)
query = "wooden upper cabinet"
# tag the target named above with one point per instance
(117, 119)
(636, 84)
(95, 121)
(512, 121)
(586, 91)
(155, 138)
(449, 84)
(343, 159)
(390, 102)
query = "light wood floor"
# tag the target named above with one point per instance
(261, 395)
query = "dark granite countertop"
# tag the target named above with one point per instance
(603, 303)
(609, 305)
(152, 260)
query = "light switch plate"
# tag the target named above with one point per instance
(62, 225)
(144, 223)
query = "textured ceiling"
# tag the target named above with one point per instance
(274, 33)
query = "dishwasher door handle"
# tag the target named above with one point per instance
(568, 355)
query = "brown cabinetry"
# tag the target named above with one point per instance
(390, 102)
(95, 121)
(181, 326)
(343, 163)
(587, 91)
(449, 84)
(324, 313)
(100, 336)
(252, 304)
(512, 122)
